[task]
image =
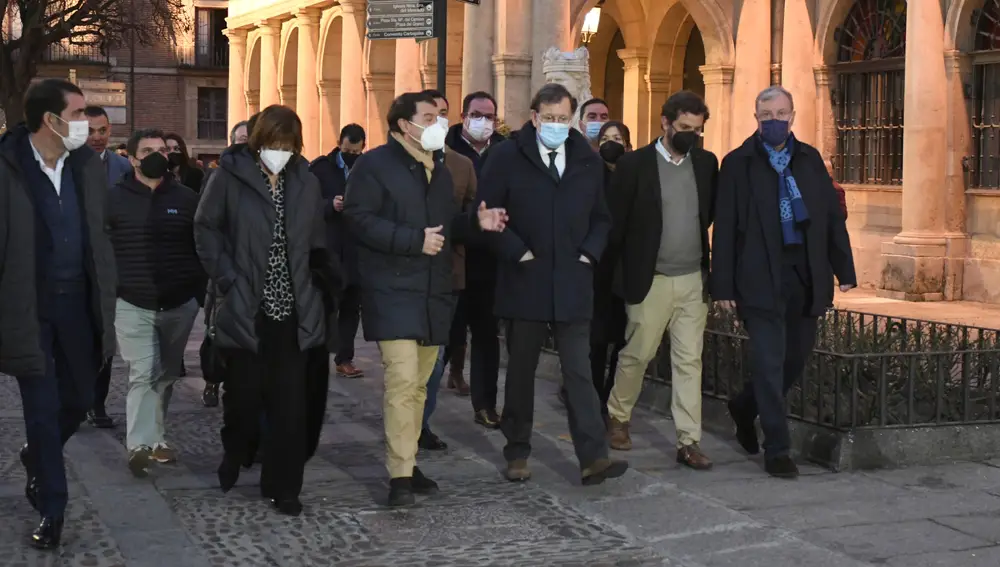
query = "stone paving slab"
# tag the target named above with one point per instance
(657, 514)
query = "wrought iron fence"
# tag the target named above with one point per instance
(984, 167)
(868, 108)
(75, 53)
(871, 371)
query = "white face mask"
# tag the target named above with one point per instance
(443, 121)
(479, 129)
(79, 130)
(275, 160)
(433, 136)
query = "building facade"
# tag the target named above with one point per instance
(902, 97)
(179, 87)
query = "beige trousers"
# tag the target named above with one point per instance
(676, 303)
(408, 366)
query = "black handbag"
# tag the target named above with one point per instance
(213, 366)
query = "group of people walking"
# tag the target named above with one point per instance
(444, 232)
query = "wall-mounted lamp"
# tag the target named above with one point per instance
(590, 23)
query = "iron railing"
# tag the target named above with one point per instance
(984, 167)
(868, 107)
(871, 371)
(66, 52)
(204, 56)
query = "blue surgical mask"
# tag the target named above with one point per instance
(553, 134)
(774, 132)
(594, 130)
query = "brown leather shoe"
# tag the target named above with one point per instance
(518, 471)
(692, 456)
(457, 382)
(603, 469)
(348, 370)
(488, 419)
(618, 436)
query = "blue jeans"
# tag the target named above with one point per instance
(433, 385)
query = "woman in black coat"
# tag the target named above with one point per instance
(182, 166)
(261, 237)
(607, 328)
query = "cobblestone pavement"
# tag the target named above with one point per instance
(658, 514)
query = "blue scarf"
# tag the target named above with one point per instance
(791, 208)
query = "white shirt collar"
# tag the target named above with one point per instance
(54, 174)
(545, 151)
(666, 155)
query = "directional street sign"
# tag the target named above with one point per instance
(389, 19)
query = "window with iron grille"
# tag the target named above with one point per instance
(211, 46)
(868, 93)
(984, 165)
(212, 104)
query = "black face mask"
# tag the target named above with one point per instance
(176, 159)
(611, 151)
(349, 159)
(154, 166)
(683, 141)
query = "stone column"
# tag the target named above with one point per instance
(407, 67)
(957, 66)
(826, 125)
(379, 89)
(512, 63)
(306, 93)
(287, 95)
(660, 86)
(237, 81)
(635, 111)
(480, 24)
(553, 30)
(270, 31)
(752, 70)
(797, 68)
(253, 102)
(718, 98)
(352, 96)
(329, 113)
(914, 263)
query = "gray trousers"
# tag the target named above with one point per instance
(152, 343)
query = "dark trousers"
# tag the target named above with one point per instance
(524, 343)
(603, 363)
(273, 380)
(780, 343)
(484, 347)
(101, 387)
(348, 320)
(55, 404)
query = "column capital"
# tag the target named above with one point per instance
(954, 59)
(269, 27)
(717, 74)
(308, 16)
(287, 93)
(512, 64)
(352, 6)
(253, 97)
(659, 82)
(379, 82)
(237, 37)
(328, 87)
(634, 58)
(824, 75)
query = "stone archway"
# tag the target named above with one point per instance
(672, 66)
(252, 74)
(288, 69)
(328, 73)
(378, 75)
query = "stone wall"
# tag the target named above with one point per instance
(874, 217)
(982, 266)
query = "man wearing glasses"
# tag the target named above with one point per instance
(549, 180)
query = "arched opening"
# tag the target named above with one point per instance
(614, 76)
(694, 58)
(868, 96)
(984, 167)
(288, 75)
(380, 85)
(678, 53)
(328, 74)
(252, 74)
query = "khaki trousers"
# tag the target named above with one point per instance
(676, 303)
(408, 366)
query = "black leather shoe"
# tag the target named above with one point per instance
(48, 534)
(401, 492)
(210, 396)
(781, 467)
(430, 442)
(746, 432)
(420, 484)
(287, 506)
(100, 419)
(31, 485)
(488, 418)
(229, 473)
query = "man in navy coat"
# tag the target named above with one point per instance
(552, 184)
